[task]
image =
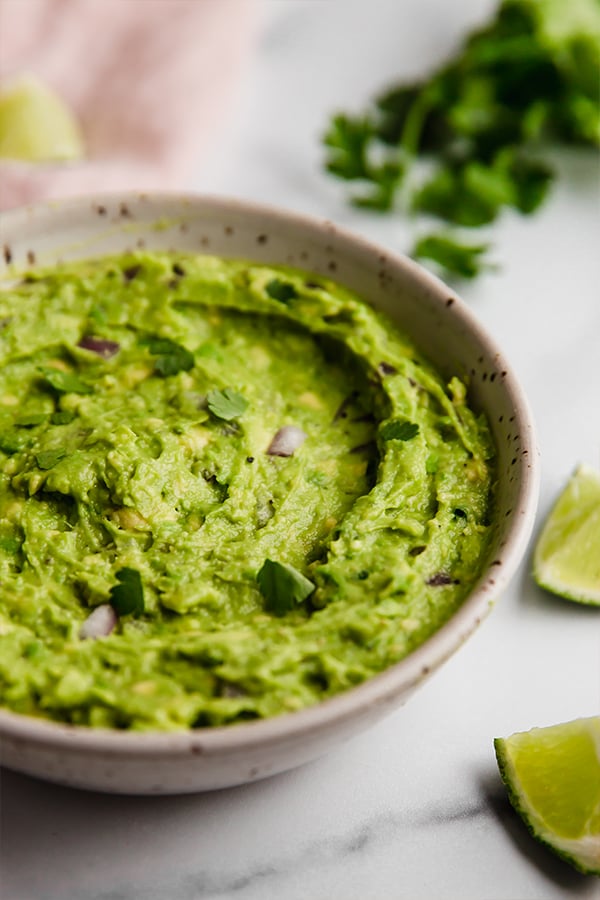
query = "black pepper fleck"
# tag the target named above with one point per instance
(131, 271)
(416, 551)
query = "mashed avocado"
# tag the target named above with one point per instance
(263, 489)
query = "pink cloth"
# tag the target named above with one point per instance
(149, 81)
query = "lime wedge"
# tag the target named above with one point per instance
(567, 555)
(553, 780)
(36, 125)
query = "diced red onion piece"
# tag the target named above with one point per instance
(101, 346)
(99, 623)
(286, 441)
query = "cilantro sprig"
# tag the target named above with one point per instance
(526, 81)
(171, 357)
(282, 586)
(127, 596)
(226, 404)
(64, 382)
(283, 291)
(399, 430)
(47, 459)
(464, 260)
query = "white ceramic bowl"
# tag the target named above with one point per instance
(448, 333)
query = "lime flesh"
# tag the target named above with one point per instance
(553, 780)
(567, 555)
(36, 125)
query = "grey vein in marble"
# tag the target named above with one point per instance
(379, 830)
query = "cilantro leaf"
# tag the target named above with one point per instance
(454, 194)
(128, 595)
(399, 430)
(281, 290)
(386, 179)
(47, 459)
(62, 417)
(530, 178)
(348, 139)
(226, 404)
(171, 356)
(464, 260)
(29, 419)
(282, 586)
(65, 382)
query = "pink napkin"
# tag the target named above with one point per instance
(149, 81)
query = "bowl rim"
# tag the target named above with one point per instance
(379, 689)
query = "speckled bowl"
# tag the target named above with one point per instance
(446, 331)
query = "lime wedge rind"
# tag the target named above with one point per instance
(550, 756)
(566, 560)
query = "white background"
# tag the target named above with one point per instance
(414, 808)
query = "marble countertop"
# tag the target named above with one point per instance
(413, 808)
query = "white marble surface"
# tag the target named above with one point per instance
(414, 808)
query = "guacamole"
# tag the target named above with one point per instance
(227, 491)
